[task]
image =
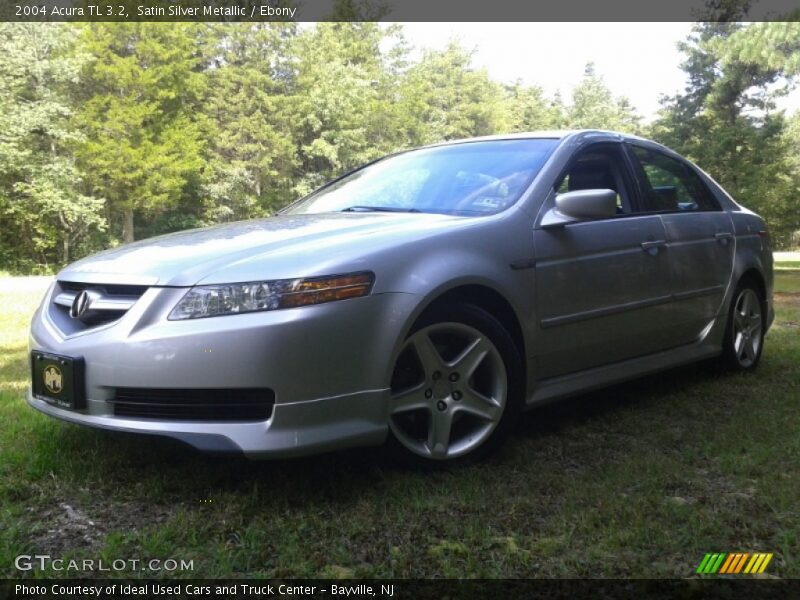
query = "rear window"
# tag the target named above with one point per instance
(670, 185)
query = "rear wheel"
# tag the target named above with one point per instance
(455, 388)
(744, 335)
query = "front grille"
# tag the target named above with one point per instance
(247, 404)
(109, 289)
(109, 302)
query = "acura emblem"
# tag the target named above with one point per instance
(80, 305)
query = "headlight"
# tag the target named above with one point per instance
(237, 298)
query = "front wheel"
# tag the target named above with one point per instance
(744, 335)
(455, 388)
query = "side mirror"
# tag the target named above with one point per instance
(581, 205)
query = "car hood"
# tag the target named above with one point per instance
(284, 246)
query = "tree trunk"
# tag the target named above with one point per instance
(127, 224)
(66, 240)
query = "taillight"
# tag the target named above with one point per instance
(764, 237)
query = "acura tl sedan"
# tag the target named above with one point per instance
(421, 301)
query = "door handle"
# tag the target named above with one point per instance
(652, 247)
(723, 236)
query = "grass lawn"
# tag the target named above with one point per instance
(787, 281)
(639, 480)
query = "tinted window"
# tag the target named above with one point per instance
(470, 179)
(670, 185)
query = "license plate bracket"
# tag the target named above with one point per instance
(58, 379)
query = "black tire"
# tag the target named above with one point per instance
(735, 356)
(478, 319)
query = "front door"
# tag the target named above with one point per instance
(602, 286)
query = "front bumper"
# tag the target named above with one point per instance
(294, 429)
(329, 366)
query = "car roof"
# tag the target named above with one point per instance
(575, 135)
(548, 134)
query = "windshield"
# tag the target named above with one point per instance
(472, 178)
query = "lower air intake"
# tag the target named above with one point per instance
(194, 404)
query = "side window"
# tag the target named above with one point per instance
(598, 168)
(669, 185)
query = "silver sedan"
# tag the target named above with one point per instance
(422, 301)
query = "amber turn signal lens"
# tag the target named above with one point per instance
(318, 291)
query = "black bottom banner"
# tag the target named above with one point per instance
(412, 589)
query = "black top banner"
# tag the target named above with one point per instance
(398, 10)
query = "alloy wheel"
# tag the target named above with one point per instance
(747, 327)
(449, 391)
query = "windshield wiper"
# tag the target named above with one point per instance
(365, 208)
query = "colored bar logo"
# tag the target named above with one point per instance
(734, 563)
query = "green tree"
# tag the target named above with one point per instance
(253, 154)
(43, 212)
(529, 110)
(726, 119)
(594, 107)
(791, 205)
(340, 97)
(139, 111)
(450, 99)
(766, 46)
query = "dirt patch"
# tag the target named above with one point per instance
(787, 298)
(68, 527)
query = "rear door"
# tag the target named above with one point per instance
(602, 286)
(699, 237)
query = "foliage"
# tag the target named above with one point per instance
(529, 109)
(114, 131)
(726, 120)
(252, 152)
(43, 213)
(339, 100)
(449, 99)
(141, 89)
(791, 139)
(593, 106)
